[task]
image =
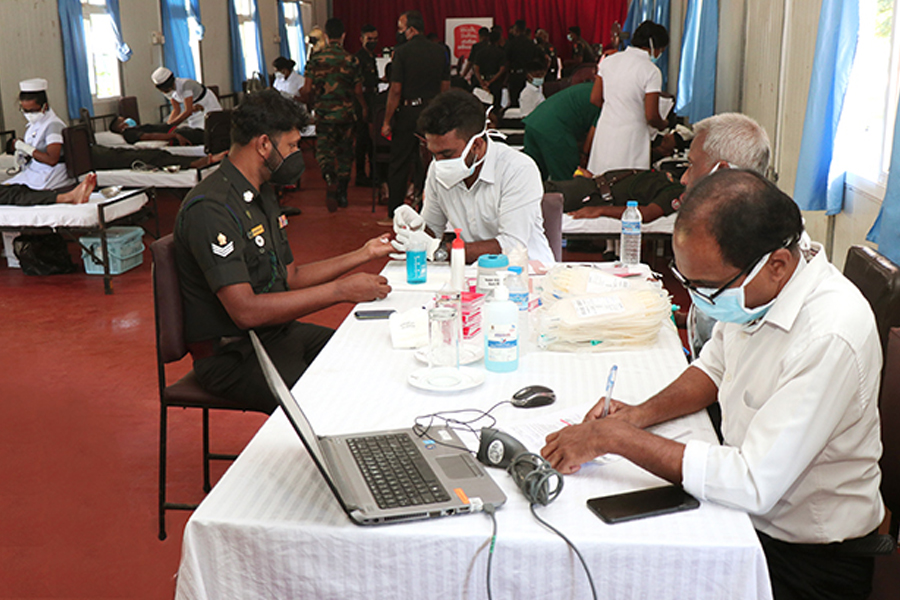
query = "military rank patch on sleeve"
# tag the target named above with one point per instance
(224, 247)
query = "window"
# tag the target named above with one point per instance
(864, 139)
(100, 39)
(246, 10)
(293, 24)
(195, 32)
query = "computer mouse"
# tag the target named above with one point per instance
(532, 396)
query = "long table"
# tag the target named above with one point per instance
(272, 529)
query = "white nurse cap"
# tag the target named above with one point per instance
(33, 85)
(160, 75)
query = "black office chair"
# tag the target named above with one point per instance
(186, 392)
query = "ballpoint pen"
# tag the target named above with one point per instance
(610, 385)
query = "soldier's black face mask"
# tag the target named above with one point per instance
(285, 170)
(401, 37)
(371, 46)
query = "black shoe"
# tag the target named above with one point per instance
(342, 192)
(331, 193)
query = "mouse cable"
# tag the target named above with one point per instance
(489, 509)
(571, 545)
(422, 428)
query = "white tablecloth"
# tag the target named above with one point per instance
(272, 529)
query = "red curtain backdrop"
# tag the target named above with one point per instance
(595, 17)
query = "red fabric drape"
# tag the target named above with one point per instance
(595, 17)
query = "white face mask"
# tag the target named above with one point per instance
(279, 76)
(169, 95)
(34, 117)
(451, 171)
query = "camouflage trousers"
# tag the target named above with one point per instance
(334, 149)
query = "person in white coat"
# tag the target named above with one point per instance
(627, 89)
(190, 99)
(40, 151)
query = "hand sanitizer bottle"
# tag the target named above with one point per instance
(458, 264)
(501, 335)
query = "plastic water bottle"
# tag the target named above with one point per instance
(518, 289)
(630, 240)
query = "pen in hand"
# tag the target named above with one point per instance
(610, 385)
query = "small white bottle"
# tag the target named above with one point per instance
(501, 331)
(458, 264)
(630, 240)
(518, 289)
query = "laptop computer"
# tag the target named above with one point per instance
(370, 473)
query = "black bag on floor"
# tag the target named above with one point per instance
(43, 254)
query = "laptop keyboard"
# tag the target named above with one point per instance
(395, 471)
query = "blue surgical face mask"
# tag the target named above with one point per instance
(537, 81)
(653, 58)
(130, 122)
(729, 306)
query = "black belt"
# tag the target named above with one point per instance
(202, 94)
(607, 180)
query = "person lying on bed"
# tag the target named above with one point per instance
(729, 140)
(18, 194)
(106, 157)
(176, 136)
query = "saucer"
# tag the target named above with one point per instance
(468, 353)
(446, 379)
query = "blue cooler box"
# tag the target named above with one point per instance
(126, 250)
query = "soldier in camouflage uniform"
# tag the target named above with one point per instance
(334, 78)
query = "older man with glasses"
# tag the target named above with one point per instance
(794, 362)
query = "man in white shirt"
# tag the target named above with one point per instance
(533, 92)
(795, 362)
(488, 190)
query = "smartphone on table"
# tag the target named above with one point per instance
(641, 504)
(364, 315)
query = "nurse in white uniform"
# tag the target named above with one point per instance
(190, 99)
(287, 80)
(627, 89)
(40, 150)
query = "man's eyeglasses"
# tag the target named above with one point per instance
(711, 298)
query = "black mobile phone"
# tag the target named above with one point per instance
(641, 504)
(373, 314)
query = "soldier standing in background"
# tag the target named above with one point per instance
(333, 76)
(369, 73)
(419, 72)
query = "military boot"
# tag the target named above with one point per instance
(331, 187)
(342, 192)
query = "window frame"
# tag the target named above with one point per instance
(248, 20)
(88, 9)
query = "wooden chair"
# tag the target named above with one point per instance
(186, 392)
(217, 131)
(879, 281)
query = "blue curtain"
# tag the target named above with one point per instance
(237, 53)
(656, 11)
(818, 185)
(177, 53)
(283, 47)
(78, 82)
(697, 75)
(261, 67)
(886, 230)
(122, 49)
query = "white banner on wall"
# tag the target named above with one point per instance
(460, 34)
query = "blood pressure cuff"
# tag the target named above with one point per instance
(615, 188)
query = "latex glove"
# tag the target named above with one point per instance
(406, 217)
(407, 238)
(25, 148)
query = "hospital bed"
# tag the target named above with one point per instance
(77, 150)
(74, 220)
(98, 128)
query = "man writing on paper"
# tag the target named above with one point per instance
(488, 190)
(236, 269)
(794, 361)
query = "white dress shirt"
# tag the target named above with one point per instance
(289, 87)
(503, 204)
(622, 138)
(799, 397)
